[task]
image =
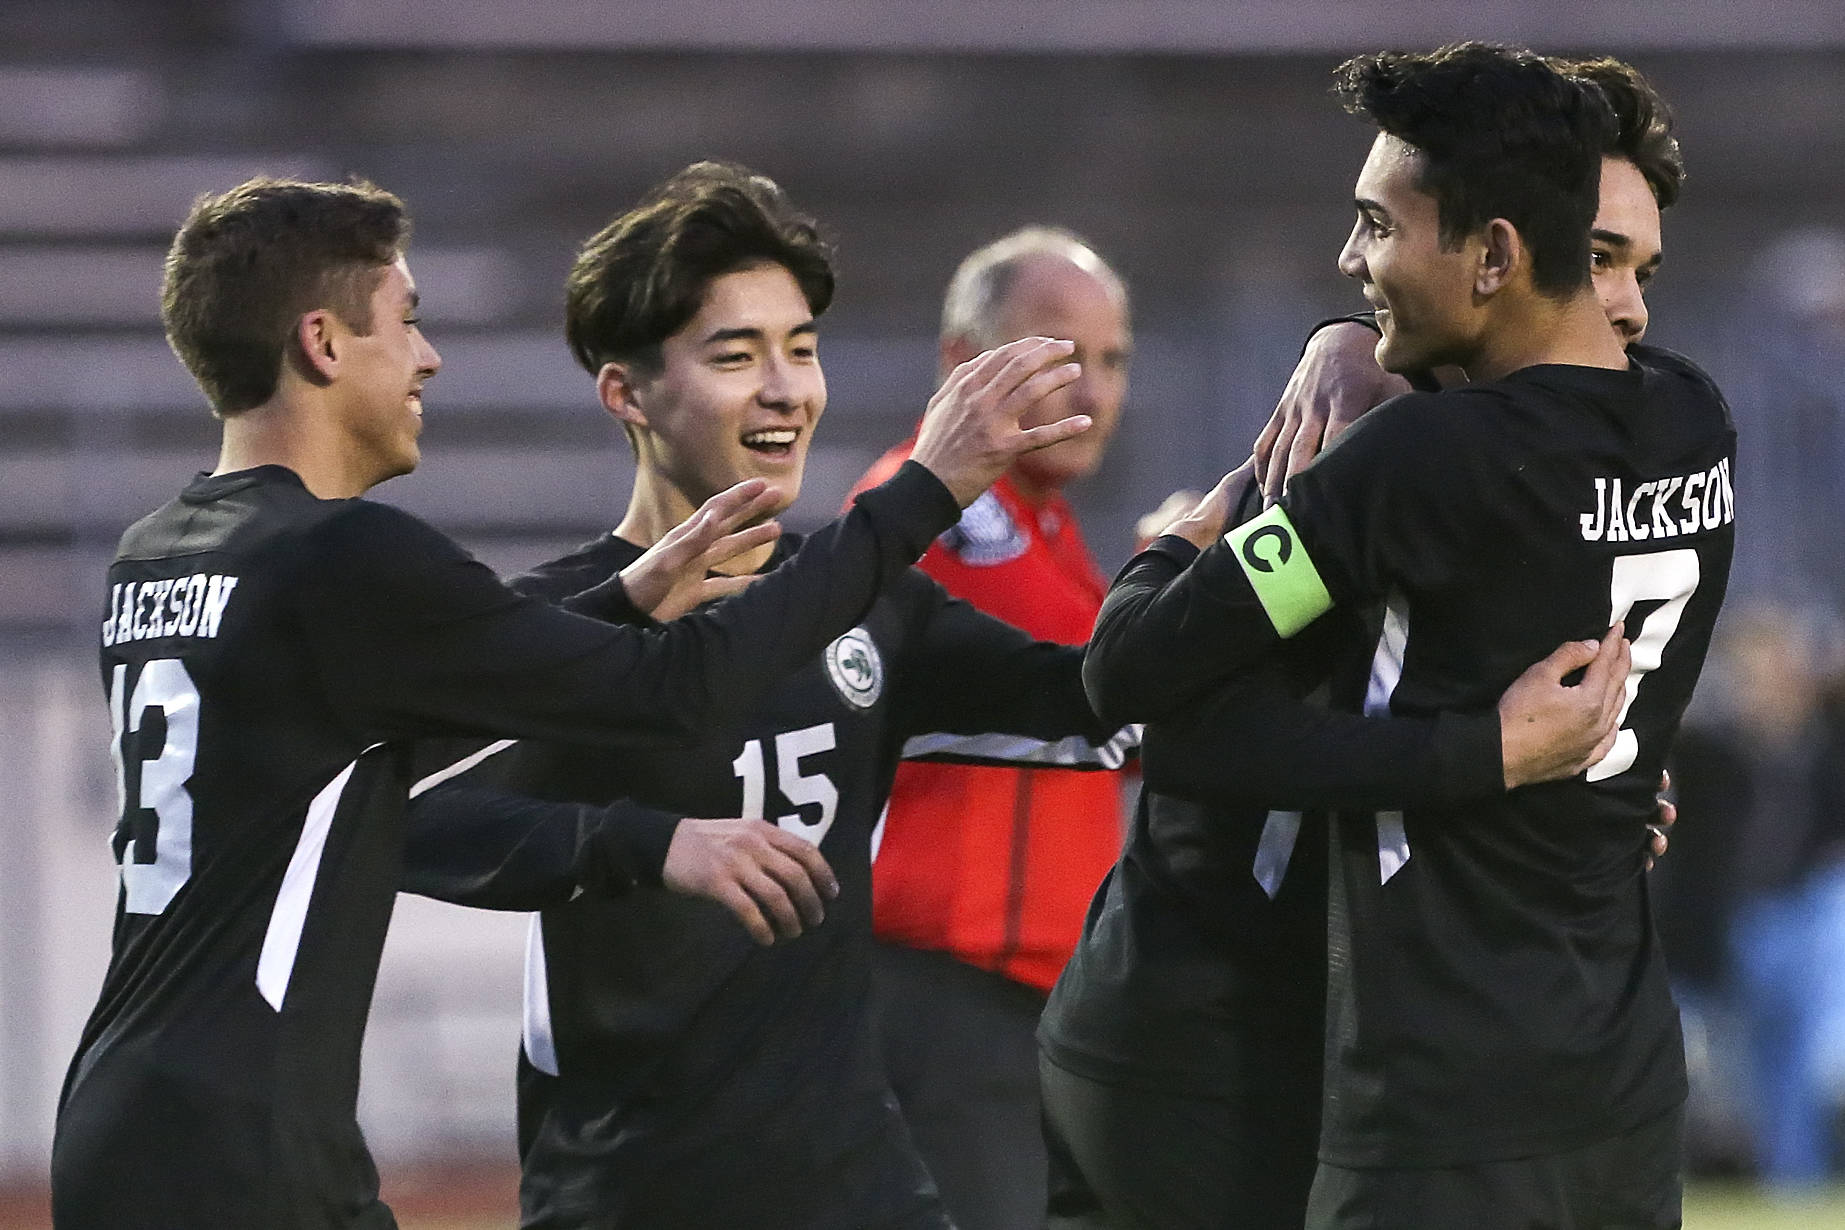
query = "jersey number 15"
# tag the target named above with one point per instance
(799, 788)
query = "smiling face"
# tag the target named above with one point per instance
(1624, 250)
(1423, 291)
(380, 380)
(738, 394)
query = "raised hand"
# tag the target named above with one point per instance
(1336, 381)
(1205, 521)
(1548, 730)
(774, 882)
(970, 434)
(673, 576)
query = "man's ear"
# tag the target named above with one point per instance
(955, 351)
(618, 385)
(316, 345)
(1502, 257)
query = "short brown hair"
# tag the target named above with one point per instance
(1503, 133)
(1642, 123)
(247, 264)
(639, 279)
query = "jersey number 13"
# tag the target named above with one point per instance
(156, 740)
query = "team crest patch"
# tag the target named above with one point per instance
(857, 672)
(986, 534)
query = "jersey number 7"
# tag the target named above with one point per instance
(1666, 577)
(156, 741)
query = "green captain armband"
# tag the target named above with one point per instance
(1285, 580)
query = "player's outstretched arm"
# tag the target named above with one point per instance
(419, 639)
(1336, 382)
(972, 688)
(490, 848)
(495, 849)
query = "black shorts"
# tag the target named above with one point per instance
(1627, 1182)
(1125, 1157)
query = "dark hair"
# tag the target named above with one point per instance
(246, 265)
(639, 279)
(1502, 134)
(1642, 123)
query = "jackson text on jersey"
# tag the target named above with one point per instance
(176, 606)
(1669, 507)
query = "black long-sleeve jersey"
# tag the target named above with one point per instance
(262, 651)
(1208, 940)
(1496, 987)
(1202, 966)
(674, 1073)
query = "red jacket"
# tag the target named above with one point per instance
(994, 865)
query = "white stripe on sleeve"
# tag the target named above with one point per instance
(1024, 750)
(282, 941)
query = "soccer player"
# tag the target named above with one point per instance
(984, 873)
(1214, 1069)
(1338, 377)
(674, 1073)
(270, 637)
(1502, 1049)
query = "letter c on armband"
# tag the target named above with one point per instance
(1275, 560)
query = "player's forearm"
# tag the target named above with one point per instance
(608, 602)
(1166, 638)
(1257, 747)
(714, 663)
(494, 850)
(974, 674)
(448, 649)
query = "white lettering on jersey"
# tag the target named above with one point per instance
(797, 786)
(1669, 577)
(1706, 499)
(155, 864)
(174, 606)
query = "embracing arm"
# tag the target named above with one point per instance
(975, 689)
(1256, 742)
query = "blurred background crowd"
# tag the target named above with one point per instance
(1196, 146)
